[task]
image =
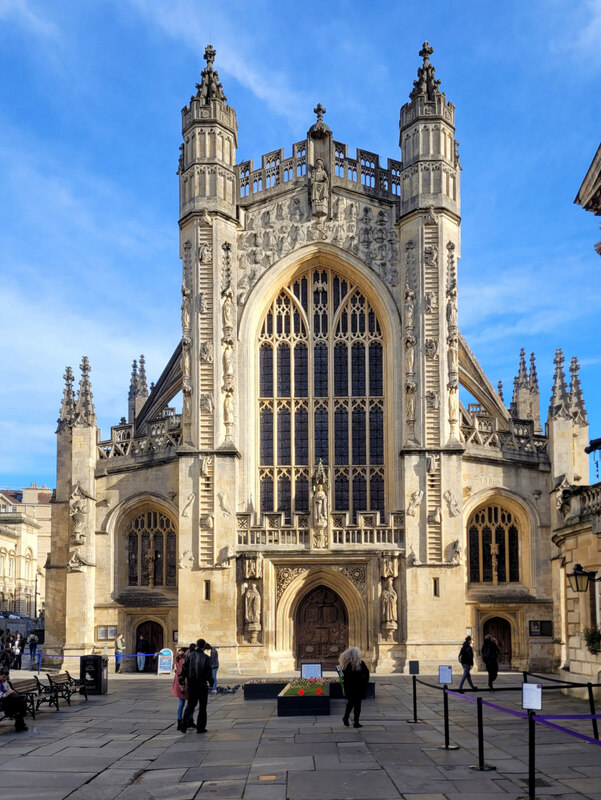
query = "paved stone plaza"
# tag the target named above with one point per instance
(125, 745)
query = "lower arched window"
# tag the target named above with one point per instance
(151, 550)
(493, 541)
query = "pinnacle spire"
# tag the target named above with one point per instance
(133, 384)
(85, 415)
(522, 379)
(500, 391)
(68, 404)
(559, 406)
(142, 385)
(533, 377)
(576, 400)
(209, 87)
(426, 84)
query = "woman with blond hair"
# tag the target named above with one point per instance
(355, 677)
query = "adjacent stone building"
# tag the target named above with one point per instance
(343, 471)
(24, 544)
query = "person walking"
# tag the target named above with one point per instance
(355, 679)
(32, 641)
(490, 655)
(177, 690)
(214, 664)
(17, 647)
(119, 648)
(196, 674)
(466, 659)
(142, 649)
(11, 703)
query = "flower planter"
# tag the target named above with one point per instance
(271, 689)
(304, 705)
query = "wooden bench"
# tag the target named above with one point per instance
(77, 684)
(46, 694)
(29, 690)
(62, 685)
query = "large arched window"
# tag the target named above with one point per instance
(321, 396)
(493, 540)
(151, 550)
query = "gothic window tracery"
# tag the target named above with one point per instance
(321, 395)
(493, 540)
(151, 550)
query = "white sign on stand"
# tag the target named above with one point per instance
(445, 675)
(165, 661)
(532, 696)
(311, 671)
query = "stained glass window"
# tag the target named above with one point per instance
(321, 396)
(151, 550)
(493, 559)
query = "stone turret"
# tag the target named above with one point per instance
(208, 153)
(429, 236)
(71, 561)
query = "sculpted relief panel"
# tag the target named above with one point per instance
(366, 230)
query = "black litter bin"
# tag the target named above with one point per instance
(94, 671)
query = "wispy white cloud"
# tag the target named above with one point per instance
(238, 54)
(22, 13)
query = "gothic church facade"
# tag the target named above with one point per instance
(324, 485)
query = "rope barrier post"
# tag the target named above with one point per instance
(481, 766)
(525, 676)
(591, 702)
(446, 745)
(531, 754)
(39, 663)
(414, 700)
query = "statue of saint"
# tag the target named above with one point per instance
(389, 603)
(252, 605)
(228, 310)
(320, 507)
(319, 189)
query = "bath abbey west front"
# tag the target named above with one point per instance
(324, 485)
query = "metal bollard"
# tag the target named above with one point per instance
(591, 702)
(481, 766)
(414, 700)
(446, 745)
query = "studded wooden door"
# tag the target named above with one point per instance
(500, 629)
(153, 633)
(321, 628)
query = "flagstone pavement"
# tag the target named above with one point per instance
(125, 745)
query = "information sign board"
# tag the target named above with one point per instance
(445, 674)
(532, 696)
(311, 671)
(165, 661)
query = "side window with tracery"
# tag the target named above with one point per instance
(494, 546)
(151, 550)
(321, 396)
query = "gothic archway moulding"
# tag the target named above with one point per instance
(303, 580)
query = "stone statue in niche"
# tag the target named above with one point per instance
(202, 306)
(253, 565)
(186, 560)
(320, 507)
(186, 357)
(319, 189)
(415, 502)
(205, 463)
(453, 355)
(389, 602)
(207, 403)
(186, 293)
(76, 562)
(410, 354)
(453, 403)
(431, 348)
(432, 461)
(432, 400)
(454, 507)
(252, 612)
(409, 307)
(228, 411)
(452, 312)
(229, 311)
(78, 511)
(431, 302)
(455, 552)
(228, 360)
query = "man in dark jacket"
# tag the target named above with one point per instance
(196, 673)
(490, 655)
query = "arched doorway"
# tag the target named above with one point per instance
(500, 629)
(321, 628)
(153, 633)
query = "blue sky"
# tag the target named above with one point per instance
(90, 101)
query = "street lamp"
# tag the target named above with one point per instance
(579, 579)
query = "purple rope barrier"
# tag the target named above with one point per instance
(568, 716)
(582, 736)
